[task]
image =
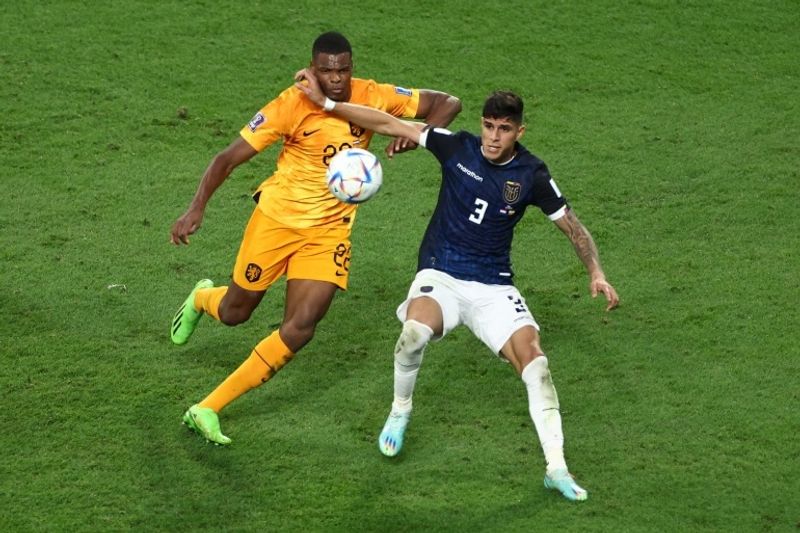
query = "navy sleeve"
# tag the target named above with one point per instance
(441, 143)
(545, 194)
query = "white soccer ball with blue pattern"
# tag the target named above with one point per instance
(354, 175)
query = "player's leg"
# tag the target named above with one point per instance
(263, 258)
(315, 263)
(307, 301)
(501, 319)
(231, 305)
(254, 272)
(255, 370)
(429, 312)
(423, 321)
(265, 360)
(524, 352)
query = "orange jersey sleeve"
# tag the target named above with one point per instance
(296, 194)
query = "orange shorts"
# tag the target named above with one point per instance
(269, 250)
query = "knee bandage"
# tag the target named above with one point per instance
(411, 344)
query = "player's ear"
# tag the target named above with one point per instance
(520, 131)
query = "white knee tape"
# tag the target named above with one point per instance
(539, 382)
(413, 339)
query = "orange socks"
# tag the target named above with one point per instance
(269, 356)
(208, 300)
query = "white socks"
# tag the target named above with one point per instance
(407, 359)
(544, 410)
(542, 398)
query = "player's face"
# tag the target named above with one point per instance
(498, 136)
(334, 72)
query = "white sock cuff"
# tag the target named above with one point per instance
(410, 346)
(423, 329)
(533, 371)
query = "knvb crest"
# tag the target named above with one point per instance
(356, 130)
(252, 273)
(511, 192)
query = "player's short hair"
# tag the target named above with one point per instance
(331, 42)
(504, 104)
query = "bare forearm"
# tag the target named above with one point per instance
(219, 169)
(583, 243)
(588, 254)
(584, 246)
(216, 173)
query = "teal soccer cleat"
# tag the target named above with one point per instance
(562, 481)
(391, 440)
(186, 318)
(205, 422)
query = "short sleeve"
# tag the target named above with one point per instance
(271, 123)
(399, 101)
(546, 194)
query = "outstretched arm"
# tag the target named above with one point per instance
(218, 170)
(366, 117)
(587, 252)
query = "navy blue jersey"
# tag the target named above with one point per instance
(469, 235)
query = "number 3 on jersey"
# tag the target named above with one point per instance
(480, 211)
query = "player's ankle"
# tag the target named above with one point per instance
(402, 405)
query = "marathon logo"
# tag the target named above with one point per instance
(469, 173)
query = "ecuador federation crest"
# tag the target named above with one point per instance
(511, 192)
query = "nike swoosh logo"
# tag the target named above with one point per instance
(307, 133)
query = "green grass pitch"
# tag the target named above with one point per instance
(671, 126)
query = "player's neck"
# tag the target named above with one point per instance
(507, 161)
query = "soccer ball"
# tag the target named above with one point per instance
(354, 175)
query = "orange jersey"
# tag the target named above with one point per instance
(296, 195)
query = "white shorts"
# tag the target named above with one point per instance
(492, 312)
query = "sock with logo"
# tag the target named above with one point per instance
(269, 356)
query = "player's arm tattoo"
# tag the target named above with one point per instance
(582, 241)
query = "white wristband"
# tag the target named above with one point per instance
(329, 104)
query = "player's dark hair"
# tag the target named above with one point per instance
(504, 104)
(331, 42)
